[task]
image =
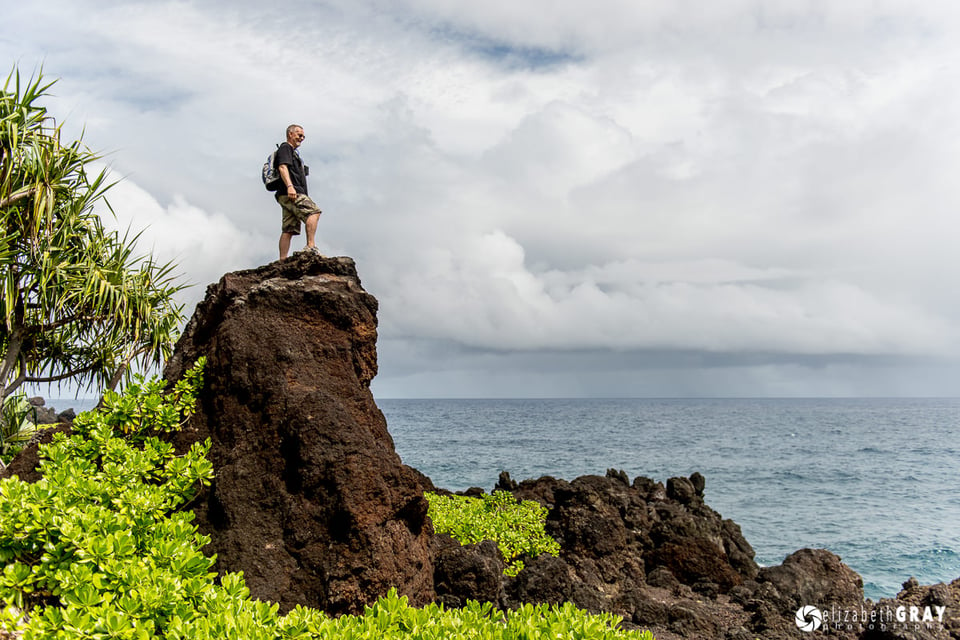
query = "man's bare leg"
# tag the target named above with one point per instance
(285, 243)
(311, 225)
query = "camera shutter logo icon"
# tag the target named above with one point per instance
(808, 618)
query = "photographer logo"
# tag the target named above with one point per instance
(808, 618)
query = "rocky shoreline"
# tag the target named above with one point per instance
(662, 559)
(41, 414)
(313, 504)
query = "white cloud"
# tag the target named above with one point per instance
(482, 295)
(204, 245)
(731, 178)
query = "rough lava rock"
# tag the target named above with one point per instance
(467, 572)
(614, 534)
(658, 556)
(310, 499)
(663, 560)
(929, 599)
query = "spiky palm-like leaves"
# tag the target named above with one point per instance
(76, 301)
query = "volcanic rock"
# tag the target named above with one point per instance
(41, 414)
(929, 612)
(663, 560)
(310, 499)
(467, 572)
(656, 556)
(813, 576)
(613, 535)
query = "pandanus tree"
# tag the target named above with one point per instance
(77, 302)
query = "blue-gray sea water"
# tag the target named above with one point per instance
(873, 480)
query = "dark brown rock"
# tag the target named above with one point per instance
(690, 622)
(681, 490)
(550, 580)
(808, 577)
(543, 579)
(619, 474)
(649, 489)
(505, 483)
(695, 543)
(929, 612)
(542, 490)
(699, 483)
(310, 499)
(25, 465)
(814, 577)
(652, 555)
(467, 572)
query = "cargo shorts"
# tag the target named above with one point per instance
(295, 211)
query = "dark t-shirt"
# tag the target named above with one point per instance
(288, 155)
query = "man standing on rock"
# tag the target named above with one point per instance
(295, 204)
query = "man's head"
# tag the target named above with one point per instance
(295, 135)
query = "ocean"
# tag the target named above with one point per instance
(873, 480)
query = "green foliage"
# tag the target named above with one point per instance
(516, 527)
(75, 301)
(100, 548)
(391, 618)
(16, 426)
(97, 548)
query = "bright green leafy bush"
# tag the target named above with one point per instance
(516, 527)
(96, 548)
(100, 549)
(16, 425)
(392, 618)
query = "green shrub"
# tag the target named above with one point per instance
(96, 548)
(16, 425)
(516, 527)
(100, 548)
(392, 618)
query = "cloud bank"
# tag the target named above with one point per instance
(621, 198)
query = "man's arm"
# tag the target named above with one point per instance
(285, 176)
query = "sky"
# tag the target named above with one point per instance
(555, 198)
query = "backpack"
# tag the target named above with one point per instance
(269, 174)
